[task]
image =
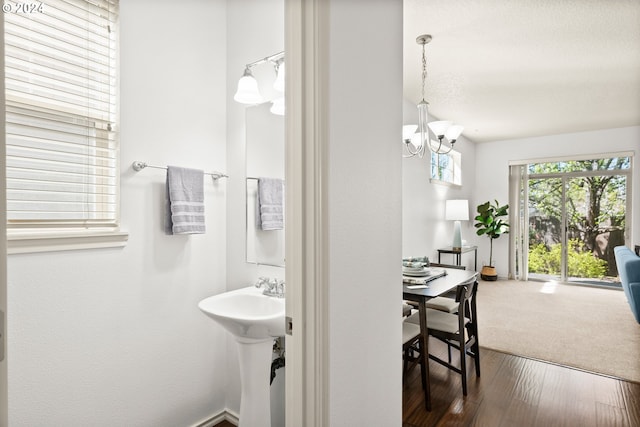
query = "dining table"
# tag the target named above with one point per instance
(438, 282)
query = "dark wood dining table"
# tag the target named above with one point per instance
(435, 287)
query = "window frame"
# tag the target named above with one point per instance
(435, 171)
(43, 235)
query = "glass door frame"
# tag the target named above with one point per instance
(519, 190)
(564, 221)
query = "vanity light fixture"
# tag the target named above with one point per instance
(277, 106)
(278, 84)
(415, 142)
(248, 92)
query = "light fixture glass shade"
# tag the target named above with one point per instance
(277, 106)
(408, 131)
(278, 84)
(440, 127)
(248, 92)
(453, 132)
(457, 210)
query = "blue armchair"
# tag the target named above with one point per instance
(629, 270)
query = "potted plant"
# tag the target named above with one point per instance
(489, 223)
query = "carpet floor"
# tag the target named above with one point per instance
(583, 327)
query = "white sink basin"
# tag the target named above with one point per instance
(254, 320)
(246, 313)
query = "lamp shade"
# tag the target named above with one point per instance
(440, 127)
(457, 210)
(247, 92)
(453, 132)
(408, 131)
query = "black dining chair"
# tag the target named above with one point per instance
(459, 330)
(411, 348)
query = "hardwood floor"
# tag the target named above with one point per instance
(515, 391)
(518, 392)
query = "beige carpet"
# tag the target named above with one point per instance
(587, 328)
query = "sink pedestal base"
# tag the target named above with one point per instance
(255, 371)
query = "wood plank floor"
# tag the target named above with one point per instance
(515, 391)
(518, 392)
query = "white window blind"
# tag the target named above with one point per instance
(61, 87)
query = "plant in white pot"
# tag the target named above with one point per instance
(490, 224)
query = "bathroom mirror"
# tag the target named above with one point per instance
(264, 158)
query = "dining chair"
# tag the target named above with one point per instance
(411, 348)
(407, 308)
(458, 330)
(446, 304)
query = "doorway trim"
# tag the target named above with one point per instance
(4, 391)
(306, 243)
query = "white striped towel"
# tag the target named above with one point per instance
(185, 188)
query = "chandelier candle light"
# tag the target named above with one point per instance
(457, 210)
(415, 141)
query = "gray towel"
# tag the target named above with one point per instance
(271, 203)
(185, 190)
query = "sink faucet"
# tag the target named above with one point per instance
(272, 287)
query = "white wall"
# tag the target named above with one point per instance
(364, 201)
(424, 228)
(492, 173)
(255, 29)
(113, 337)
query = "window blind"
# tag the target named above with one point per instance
(61, 87)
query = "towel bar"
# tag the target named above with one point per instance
(138, 166)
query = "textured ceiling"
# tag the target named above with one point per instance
(509, 69)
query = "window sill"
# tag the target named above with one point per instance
(448, 184)
(21, 242)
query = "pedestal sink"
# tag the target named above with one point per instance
(254, 320)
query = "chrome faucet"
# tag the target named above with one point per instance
(272, 287)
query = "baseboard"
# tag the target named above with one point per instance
(225, 415)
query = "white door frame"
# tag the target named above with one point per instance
(307, 378)
(4, 394)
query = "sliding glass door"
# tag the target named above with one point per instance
(546, 218)
(577, 213)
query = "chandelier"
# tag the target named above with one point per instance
(416, 137)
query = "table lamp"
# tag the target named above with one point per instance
(457, 210)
